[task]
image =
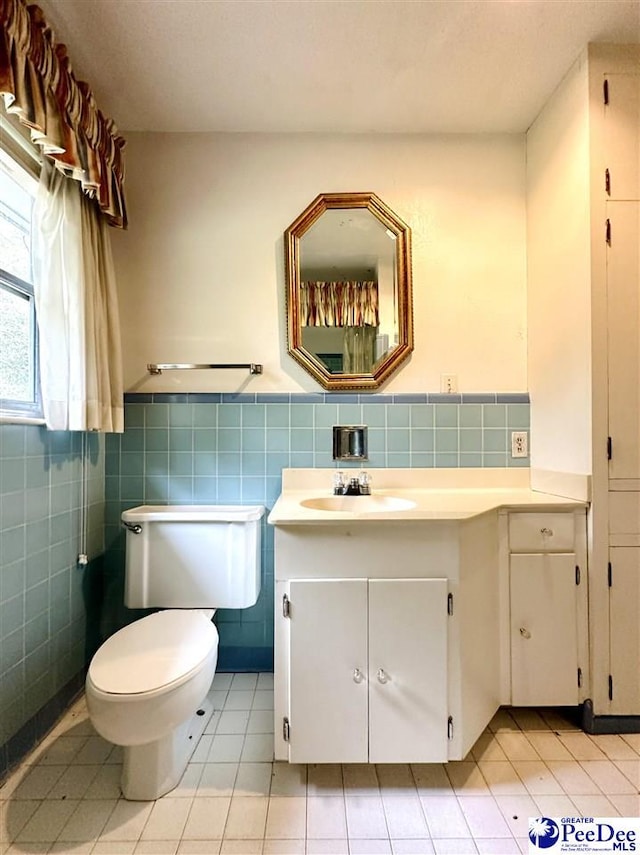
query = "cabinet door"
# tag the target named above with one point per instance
(328, 671)
(408, 670)
(624, 602)
(544, 634)
(622, 140)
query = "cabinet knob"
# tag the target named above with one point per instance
(383, 677)
(525, 632)
(358, 676)
(546, 532)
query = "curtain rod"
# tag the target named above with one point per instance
(254, 367)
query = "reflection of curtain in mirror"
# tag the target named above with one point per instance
(359, 349)
(339, 304)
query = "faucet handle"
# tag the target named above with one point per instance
(365, 483)
(339, 485)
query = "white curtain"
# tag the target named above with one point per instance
(77, 309)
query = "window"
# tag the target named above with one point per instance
(19, 375)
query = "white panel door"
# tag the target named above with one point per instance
(408, 670)
(624, 606)
(544, 630)
(328, 671)
(622, 135)
(623, 307)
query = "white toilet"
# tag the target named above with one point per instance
(146, 683)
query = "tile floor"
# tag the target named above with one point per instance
(233, 799)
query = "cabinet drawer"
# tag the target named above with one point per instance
(541, 532)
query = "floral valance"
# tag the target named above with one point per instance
(39, 87)
(339, 304)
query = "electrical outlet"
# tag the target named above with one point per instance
(449, 383)
(519, 443)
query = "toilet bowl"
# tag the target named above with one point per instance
(142, 689)
(146, 683)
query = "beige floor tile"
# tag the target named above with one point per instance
(631, 770)
(260, 721)
(283, 847)
(253, 779)
(404, 816)
(199, 847)
(127, 821)
(502, 721)
(608, 777)
(241, 847)
(237, 700)
(626, 805)
(60, 751)
(68, 847)
(247, 818)
(554, 805)
(258, 748)
(218, 699)
(365, 817)
(484, 817)
(286, 818)
(114, 847)
(423, 846)
(572, 778)
(106, 784)
(217, 779)
(244, 682)
(47, 822)
(466, 779)
(594, 805)
(528, 719)
(188, 784)
(38, 782)
(461, 846)
(74, 783)
(265, 682)
(360, 779)
(444, 816)
(95, 750)
(262, 700)
(487, 747)
(328, 847)
(502, 778)
(233, 721)
(395, 779)
(497, 846)
(370, 847)
(581, 746)
(167, 819)
(14, 815)
(156, 847)
(88, 820)
(221, 682)
(226, 748)
(26, 848)
(326, 817)
(207, 818)
(632, 739)
(289, 779)
(431, 779)
(516, 746)
(614, 747)
(537, 778)
(516, 810)
(548, 746)
(212, 725)
(324, 780)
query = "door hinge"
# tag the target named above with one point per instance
(605, 92)
(609, 448)
(607, 232)
(577, 575)
(449, 604)
(286, 606)
(607, 182)
(286, 729)
(610, 687)
(609, 575)
(579, 678)
(450, 727)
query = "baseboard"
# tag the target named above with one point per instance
(601, 724)
(34, 730)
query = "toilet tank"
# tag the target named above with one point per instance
(192, 556)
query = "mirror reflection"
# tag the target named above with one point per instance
(348, 268)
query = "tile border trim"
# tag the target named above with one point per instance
(324, 398)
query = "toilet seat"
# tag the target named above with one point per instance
(157, 652)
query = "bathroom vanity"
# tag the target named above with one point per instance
(404, 622)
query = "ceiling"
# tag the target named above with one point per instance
(346, 66)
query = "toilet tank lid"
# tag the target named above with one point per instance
(194, 513)
(153, 652)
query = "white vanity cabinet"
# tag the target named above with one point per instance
(547, 607)
(368, 670)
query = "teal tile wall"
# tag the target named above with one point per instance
(44, 596)
(182, 449)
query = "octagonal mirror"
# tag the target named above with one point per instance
(349, 305)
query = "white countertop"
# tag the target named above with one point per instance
(437, 494)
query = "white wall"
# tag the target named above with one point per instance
(201, 270)
(559, 279)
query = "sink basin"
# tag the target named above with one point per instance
(359, 504)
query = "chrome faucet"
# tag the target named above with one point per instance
(356, 486)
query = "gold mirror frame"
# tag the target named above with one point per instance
(399, 352)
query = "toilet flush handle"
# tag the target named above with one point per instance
(136, 528)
